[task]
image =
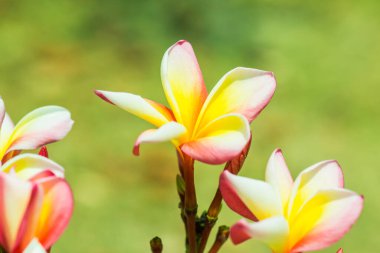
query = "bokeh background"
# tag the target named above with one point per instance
(325, 55)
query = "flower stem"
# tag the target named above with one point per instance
(234, 166)
(221, 238)
(211, 218)
(190, 205)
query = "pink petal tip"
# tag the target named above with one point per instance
(239, 232)
(136, 149)
(102, 96)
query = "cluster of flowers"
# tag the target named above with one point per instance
(35, 200)
(310, 213)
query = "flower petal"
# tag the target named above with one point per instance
(325, 219)
(39, 127)
(56, 210)
(340, 250)
(15, 195)
(34, 247)
(183, 83)
(272, 231)
(146, 109)
(28, 165)
(6, 130)
(2, 111)
(30, 219)
(231, 197)
(258, 196)
(242, 90)
(278, 175)
(167, 132)
(220, 141)
(40, 176)
(323, 175)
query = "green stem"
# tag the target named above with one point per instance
(190, 202)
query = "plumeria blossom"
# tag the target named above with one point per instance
(39, 127)
(309, 213)
(36, 203)
(212, 128)
(35, 200)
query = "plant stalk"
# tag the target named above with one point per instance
(190, 205)
(234, 166)
(221, 238)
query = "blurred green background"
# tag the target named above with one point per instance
(325, 55)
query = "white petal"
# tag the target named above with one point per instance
(28, 165)
(183, 83)
(168, 132)
(242, 90)
(39, 127)
(278, 175)
(2, 111)
(273, 231)
(260, 197)
(323, 175)
(15, 196)
(325, 219)
(220, 141)
(34, 247)
(146, 109)
(6, 130)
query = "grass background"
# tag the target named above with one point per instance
(325, 55)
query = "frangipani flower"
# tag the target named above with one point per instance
(39, 127)
(35, 202)
(210, 128)
(308, 214)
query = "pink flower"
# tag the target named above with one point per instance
(307, 214)
(212, 128)
(39, 127)
(35, 202)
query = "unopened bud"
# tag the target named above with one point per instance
(156, 245)
(44, 152)
(223, 234)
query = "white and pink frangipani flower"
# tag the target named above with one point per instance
(307, 214)
(212, 128)
(39, 127)
(36, 203)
